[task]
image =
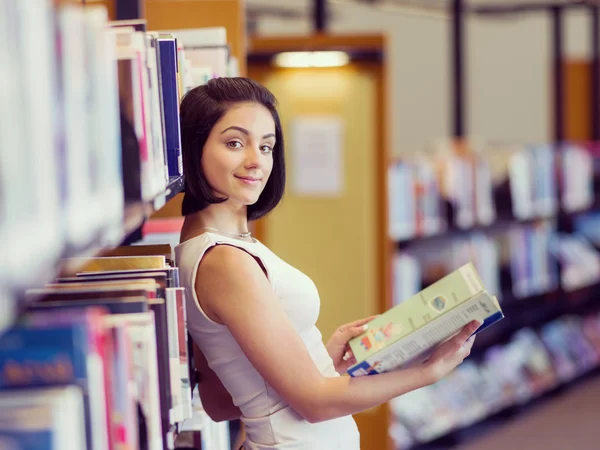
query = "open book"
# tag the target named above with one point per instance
(410, 331)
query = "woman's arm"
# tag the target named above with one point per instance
(215, 399)
(235, 291)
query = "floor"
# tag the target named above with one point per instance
(568, 422)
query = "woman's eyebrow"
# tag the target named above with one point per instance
(246, 132)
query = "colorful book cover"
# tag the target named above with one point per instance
(408, 331)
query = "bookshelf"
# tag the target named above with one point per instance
(85, 100)
(546, 313)
(537, 311)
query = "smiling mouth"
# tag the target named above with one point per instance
(249, 179)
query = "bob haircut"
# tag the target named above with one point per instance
(201, 109)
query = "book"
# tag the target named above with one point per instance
(142, 250)
(42, 419)
(63, 348)
(125, 420)
(408, 332)
(170, 99)
(142, 332)
(101, 264)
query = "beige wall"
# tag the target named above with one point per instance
(508, 70)
(333, 240)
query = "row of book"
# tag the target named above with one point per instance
(89, 126)
(531, 364)
(462, 185)
(100, 360)
(533, 258)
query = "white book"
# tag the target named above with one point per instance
(173, 340)
(50, 417)
(578, 175)
(201, 37)
(142, 331)
(139, 45)
(485, 208)
(206, 48)
(28, 143)
(130, 86)
(521, 185)
(158, 123)
(80, 206)
(104, 127)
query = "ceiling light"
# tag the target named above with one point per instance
(312, 59)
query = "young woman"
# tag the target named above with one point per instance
(253, 315)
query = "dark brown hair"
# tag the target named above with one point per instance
(200, 110)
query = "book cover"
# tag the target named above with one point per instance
(170, 98)
(408, 331)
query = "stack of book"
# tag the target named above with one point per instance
(92, 107)
(89, 125)
(470, 184)
(205, 54)
(417, 266)
(111, 340)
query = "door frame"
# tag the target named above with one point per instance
(369, 52)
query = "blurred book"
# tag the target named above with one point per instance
(524, 368)
(579, 260)
(42, 419)
(577, 176)
(73, 348)
(533, 269)
(205, 49)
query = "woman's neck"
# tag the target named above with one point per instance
(216, 217)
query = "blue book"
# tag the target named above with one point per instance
(60, 349)
(170, 100)
(29, 440)
(42, 419)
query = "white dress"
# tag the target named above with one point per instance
(269, 421)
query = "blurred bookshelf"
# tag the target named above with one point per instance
(527, 216)
(96, 360)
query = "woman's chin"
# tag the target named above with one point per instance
(246, 201)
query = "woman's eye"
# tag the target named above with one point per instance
(234, 144)
(266, 148)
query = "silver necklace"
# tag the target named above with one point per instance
(242, 235)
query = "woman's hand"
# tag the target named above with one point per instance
(338, 347)
(450, 354)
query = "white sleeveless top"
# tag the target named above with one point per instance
(269, 421)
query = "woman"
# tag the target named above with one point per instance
(251, 314)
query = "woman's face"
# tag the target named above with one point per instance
(237, 158)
